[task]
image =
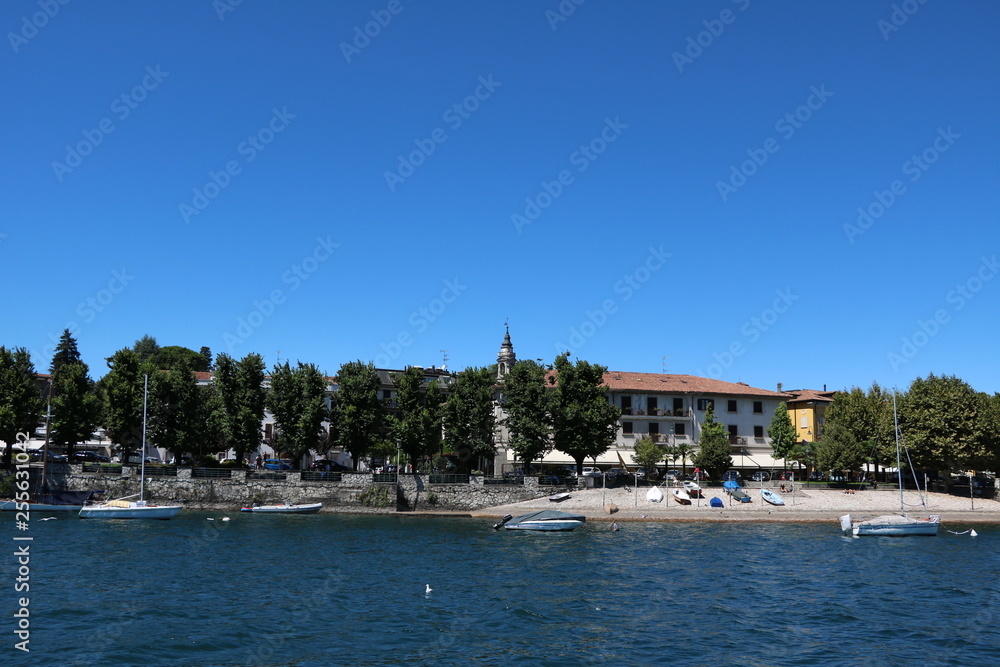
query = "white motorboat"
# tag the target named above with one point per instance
(694, 491)
(285, 508)
(654, 495)
(682, 496)
(544, 520)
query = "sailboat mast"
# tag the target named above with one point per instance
(142, 473)
(899, 469)
(43, 488)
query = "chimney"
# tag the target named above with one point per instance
(779, 387)
(824, 387)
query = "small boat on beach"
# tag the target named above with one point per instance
(559, 497)
(543, 520)
(772, 497)
(734, 490)
(682, 497)
(285, 508)
(692, 488)
(654, 495)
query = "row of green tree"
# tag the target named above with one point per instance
(186, 417)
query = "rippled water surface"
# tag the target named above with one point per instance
(350, 590)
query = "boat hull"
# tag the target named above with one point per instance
(135, 511)
(893, 526)
(11, 506)
(682, 497)
(549, 525)
(311, 508)
(772, 497)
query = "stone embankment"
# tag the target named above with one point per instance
(339, 492)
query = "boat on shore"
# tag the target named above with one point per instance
(692, 488)
(772, 497)
(734, 490)
(559, 497)
(543, 520)
(285, 508)
(682, 496)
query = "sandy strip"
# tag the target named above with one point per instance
(812, 505)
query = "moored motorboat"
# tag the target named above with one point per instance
(52, 501)
(891, 525)
(772, 497)
(544, 520)
(682, 496)
(285, 508)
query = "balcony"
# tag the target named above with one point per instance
(737, 440)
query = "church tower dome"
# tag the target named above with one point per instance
(506, 358)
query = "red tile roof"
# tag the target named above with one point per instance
(676, 384)
(804, 395)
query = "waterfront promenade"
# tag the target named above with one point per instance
(805, 505)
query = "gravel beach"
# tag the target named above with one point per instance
(802, 506)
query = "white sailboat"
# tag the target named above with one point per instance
(893, 525)
(123, 508)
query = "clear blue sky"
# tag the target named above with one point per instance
(175, 169)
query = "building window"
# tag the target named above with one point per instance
(627, 428)
(678, 405)
(268, 431)
(758, 407)
(654, 428)
(731, 406)
(804, 423)
(703, 403)
(678, 429)
(758, 431)
(651, 406)
(732, 430)
(387, 394)
(626, 405)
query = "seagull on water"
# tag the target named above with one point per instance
(48, 518)
(429, 589)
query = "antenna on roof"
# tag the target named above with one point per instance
(444, 358)
(664, 364)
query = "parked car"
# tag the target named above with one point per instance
(617, 475)
(700, 476)
(90, 457)
(36, 455)
(787, 476)
(592, 471)
(329, 466)
(731, 476)
(817, 476)
(276, 464)
(761, 476)
(672, 475)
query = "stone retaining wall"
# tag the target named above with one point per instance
(410, 492)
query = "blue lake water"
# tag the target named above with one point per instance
(350, 590)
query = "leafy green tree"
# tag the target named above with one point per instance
(684, 452)
(358, 416)
(715, 452)
(526, 402)
(297, 399)
(121, 392)
(241, 401)
(470, 416)
(584, 423)
(172, 356)
(175, 411)
(839, 449)
(206, 354)
(75, 406)
(648, 454)
(148, 350)
(782, 432)
(805, 453)
(20, 402)
(943, 423)
(414, 427)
